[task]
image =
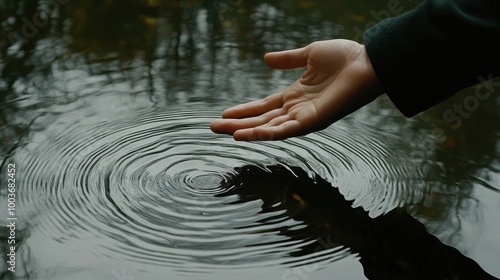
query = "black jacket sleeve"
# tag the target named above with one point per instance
(426, 55)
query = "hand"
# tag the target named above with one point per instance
(339, 80)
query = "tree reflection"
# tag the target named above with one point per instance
(453, 165)
(16, 64)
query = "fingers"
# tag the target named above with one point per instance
(264, 119)
(254, 108)
(287, 59)
(229, 126)
(285, 130)
(274, 125)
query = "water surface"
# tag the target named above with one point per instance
(106, 110)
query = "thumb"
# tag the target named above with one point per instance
(287, 59)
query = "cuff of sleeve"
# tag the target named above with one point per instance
(424, 56)
(392, 54)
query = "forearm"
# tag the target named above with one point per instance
(424, 56)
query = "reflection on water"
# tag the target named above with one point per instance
(105, 109)
(392, 246)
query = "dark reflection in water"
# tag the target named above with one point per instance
(392, 246)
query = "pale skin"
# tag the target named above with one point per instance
(338, 80)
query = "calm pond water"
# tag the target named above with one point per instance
(105, 112)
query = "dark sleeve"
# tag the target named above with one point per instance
(426, 55)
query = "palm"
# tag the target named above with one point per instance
(337, 81)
